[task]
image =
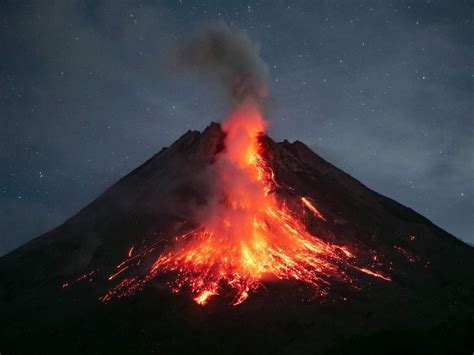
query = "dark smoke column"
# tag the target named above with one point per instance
(232, 57)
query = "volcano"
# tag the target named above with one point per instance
(228, 242)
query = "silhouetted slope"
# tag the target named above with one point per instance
(427, 307)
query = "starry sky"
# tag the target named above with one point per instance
(382, 89)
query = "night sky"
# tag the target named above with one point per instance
(382, 89)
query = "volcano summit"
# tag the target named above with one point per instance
(229, 242)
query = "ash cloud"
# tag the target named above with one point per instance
(230, 55)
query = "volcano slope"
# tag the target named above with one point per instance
(52, 289)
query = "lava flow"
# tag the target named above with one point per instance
(246, 236)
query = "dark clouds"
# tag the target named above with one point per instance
(384, 90)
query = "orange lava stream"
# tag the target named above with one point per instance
(312, 208)
(375, 274)
(246, 236)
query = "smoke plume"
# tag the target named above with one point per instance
(218, 50)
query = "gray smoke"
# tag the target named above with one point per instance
(217, 49)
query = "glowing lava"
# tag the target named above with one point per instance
(246, 236)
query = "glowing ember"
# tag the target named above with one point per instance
(375, 274)
(246, 236)
(313, 209)
(87, 276)
(204, 296)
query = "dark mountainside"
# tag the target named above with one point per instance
(428, 307)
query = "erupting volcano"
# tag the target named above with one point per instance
(244, 234)
(229, 242)
(229, 217)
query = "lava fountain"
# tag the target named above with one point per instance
(246, 236)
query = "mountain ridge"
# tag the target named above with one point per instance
(158, 197)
